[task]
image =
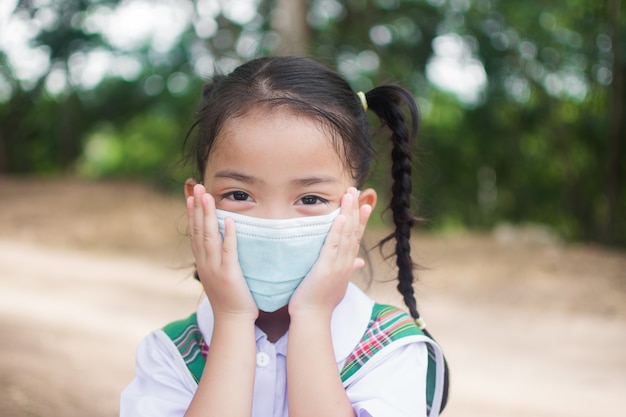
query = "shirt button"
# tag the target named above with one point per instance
(262, 359)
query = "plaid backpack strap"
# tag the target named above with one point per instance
(186, 336)
(389, 325)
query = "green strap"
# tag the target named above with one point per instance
(387, 324)
(187, 338)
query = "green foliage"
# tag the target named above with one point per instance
(534, 147)
(142, 147)
(537, 143)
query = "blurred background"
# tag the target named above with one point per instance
(522, 104)
(519, 170)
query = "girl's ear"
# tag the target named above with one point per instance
(189, 184)
(368, 196)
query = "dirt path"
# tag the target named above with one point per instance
(87, 270)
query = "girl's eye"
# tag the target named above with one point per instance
(312, 199)
(237, 195)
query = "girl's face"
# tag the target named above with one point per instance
(277, 166)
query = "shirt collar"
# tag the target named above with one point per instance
(347, 326)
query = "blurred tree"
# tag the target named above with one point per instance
(87, 79)
(617, 125)
(522, 104)
(531, 142)
(289, 20)
(41, 132)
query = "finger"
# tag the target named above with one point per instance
(348, 237)
(355, 215)
(333, 239)
(347, 209)
(190, 216)
(365, 211)
(358, 264)
(210, 230)
(347, 202)
(229, 245)
(192, 229)
(358, 220)
(197, 220)
(212, 239)
(198, 192)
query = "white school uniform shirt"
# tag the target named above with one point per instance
(393, 386)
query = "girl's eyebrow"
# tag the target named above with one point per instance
(314, 180)
(234, 175)
(249, 179)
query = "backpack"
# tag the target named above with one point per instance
(387, 325)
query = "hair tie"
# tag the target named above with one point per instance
(421, 324)
(363, 99)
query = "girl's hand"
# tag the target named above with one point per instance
(216, 259)
(326, 284)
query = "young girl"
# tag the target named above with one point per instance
(276, 217)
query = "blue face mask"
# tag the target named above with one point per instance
(276, 255)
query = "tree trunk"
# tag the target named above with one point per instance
(616, 124)
(289, 21)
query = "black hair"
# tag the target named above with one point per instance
(299, 85)
(308, 88)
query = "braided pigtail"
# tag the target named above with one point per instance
(387, 102)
